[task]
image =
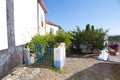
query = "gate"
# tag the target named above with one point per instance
(44, 55)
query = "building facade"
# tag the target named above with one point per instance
(41, 17)
(51, 27)
(19, 22)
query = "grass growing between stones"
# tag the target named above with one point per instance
(37, 65)
(58, 70)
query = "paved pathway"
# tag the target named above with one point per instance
(75, 68)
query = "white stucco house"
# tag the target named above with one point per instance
(32, 22)
(51, 27)
(41, 17)
(25, 20)
(45, 26)
(20, 20)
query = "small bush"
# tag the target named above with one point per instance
(51, 40)
(36, 41)
(63, 37)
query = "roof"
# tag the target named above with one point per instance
(50, 23)
(42, 5)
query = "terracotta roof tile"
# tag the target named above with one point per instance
(42, 5)
(50, 23)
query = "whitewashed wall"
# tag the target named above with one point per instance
(59, 56)
(25, 17)
(47, 28)
(3, 25)
(51, 27)
(41, 19)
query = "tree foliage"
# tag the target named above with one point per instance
(77, 37)
(91, 37)
(51, 40)
(63, 37)
(36, 41)
(87, 28)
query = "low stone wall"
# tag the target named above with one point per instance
(9, 59)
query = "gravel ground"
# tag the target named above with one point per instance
(76, 68)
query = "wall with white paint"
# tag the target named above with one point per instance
(3, 26)
(25, 17)
(51, 28)
(59, 56)
(41, 20)
(18, 24)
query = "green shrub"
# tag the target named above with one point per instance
(30, 45)
(36, 41)
(63, 37)
(50, 39)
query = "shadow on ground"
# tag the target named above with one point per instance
(100, 71)
(37, 65)
(82, 55)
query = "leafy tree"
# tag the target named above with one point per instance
(101, 36)
(95, 38)
(92, 28)
(91, 37)
(87, 28)
(77, 37)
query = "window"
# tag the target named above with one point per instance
(42, 23)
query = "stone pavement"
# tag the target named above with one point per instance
(75, 68)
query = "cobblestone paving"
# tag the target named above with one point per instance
(72, 65)
(75, 68)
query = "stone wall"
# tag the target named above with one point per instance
(9, 59)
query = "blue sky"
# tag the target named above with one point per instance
(71, 13)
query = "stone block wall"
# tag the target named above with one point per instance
(9, 59)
